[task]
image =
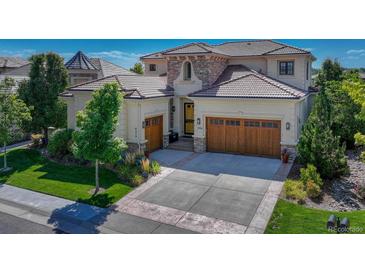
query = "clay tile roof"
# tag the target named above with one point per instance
(80, 61)
(236, 49)
(135, 86)
(12, 62)
(241, 82)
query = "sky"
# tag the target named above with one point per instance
(126, 52)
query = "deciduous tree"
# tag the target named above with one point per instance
(94, 140)
(13, 112)
(137, 68)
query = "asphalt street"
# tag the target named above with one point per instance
(13, 225)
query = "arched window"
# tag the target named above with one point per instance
(187, 71)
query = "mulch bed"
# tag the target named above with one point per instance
(339, 194)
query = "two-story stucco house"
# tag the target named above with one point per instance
(237, 97)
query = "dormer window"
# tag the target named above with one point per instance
(286, 67)
(187, 71)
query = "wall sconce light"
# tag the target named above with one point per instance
(173, 108)
(143, 124)
(198, 121)
(287, 125)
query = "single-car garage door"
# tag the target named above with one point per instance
(153, 133)
(244, 136)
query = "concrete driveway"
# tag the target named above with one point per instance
(209, 192)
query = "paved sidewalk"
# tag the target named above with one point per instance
(21, 144)
(73, 217)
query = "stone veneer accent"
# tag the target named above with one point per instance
(132, 147)
(206, 68)
(200, 144)
(165, 141)
(292, 151)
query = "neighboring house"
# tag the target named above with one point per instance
(238, 97)
(8, 63)
(80, 69)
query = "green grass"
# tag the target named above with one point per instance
(32, 171)
(290, 218)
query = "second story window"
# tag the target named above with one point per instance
(152, 67)
(187, 71)
(307, 71)
(286, 67)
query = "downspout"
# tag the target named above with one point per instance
(139, 128)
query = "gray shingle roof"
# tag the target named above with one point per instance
(12, 62)
(135, 86)
(249, 84)
(80, 61)
(241, 48)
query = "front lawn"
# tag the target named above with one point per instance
(32, 171)
(290, 218)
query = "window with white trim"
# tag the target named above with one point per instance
(286, 67)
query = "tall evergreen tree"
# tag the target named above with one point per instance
(97, 122)
(47, 79)
(318, 145)
(344, 112)
(330, 71)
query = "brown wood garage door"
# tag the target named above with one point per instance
(153, 133)
(244, 136)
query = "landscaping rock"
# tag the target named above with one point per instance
(340, 194)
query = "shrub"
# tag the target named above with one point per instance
(295, 190)
(127, 171)
(37, 140)
(360, 189)
(139, 156)
(137, 179)
(310, 174)
(359, 139)
(130, 158)
(60, 143)
(145, 166)
(155, 168)
(362, 157)
(313, 190)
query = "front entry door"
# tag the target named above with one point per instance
(188, 118)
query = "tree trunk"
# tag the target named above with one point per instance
(5, 160)
(45, 139)
(96, 176)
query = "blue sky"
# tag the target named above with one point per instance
(125, 52)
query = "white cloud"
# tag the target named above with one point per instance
(356, 51)
(17, 53)
(309, 49)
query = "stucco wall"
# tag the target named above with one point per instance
(299, 78)
(78, 102)
(161, 67)
(283, 110)
(138, 110)
(258, 63)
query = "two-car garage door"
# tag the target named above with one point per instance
(244, 136)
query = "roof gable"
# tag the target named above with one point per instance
(248, 84)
